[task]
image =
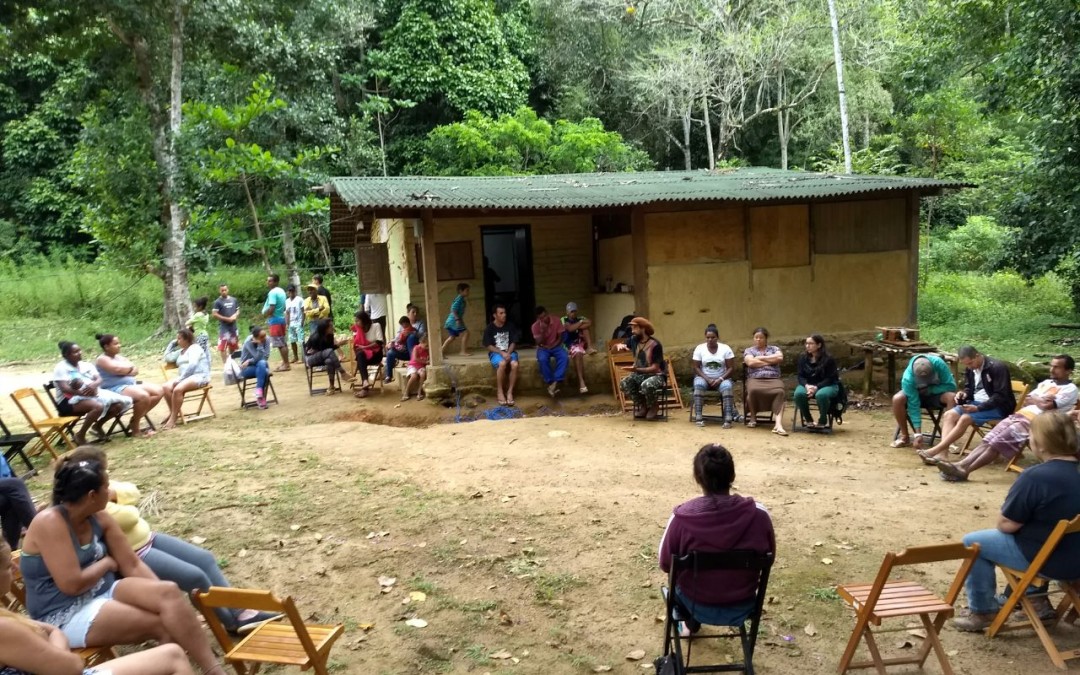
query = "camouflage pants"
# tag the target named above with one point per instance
(642, 389)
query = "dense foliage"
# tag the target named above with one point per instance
(96, 161)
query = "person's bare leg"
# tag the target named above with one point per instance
(899, 409)
(413, 379)
(140, 404)
(166, 394)
(465, 343)
(167, 659)
(953, 428)
(500, 382)
(174, 614)
(91, 411)
(513, 380)
(778, 425)
(579, 368)
(586, 337)
(177, 400)
(446, 343)
(284, 351)
(948, 400)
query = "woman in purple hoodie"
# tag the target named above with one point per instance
(715, 522)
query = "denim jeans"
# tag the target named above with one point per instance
(562, 360)
(995, 547)
(260, 371)
(392, 357)
(16, 509)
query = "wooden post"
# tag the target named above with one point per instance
(868, 376)
(913, 259)
(892, 373)
(641, 263)
(431, 287)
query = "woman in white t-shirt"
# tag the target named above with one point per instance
(714, 369)
(81, 393)
(194, 372)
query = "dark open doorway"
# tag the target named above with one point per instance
(508, 274)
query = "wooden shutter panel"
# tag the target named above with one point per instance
(373, 267)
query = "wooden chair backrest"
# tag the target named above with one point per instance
(1063, 528)
(919, 555)
(18, 586)
(243, 598)
(20, 396)
(1020, 390)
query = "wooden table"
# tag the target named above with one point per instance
(872, 349)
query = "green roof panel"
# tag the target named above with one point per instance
(600, 190)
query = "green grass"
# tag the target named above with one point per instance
(1000, 314)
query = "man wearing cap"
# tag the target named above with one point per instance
(928, 382)
(578, 341)
(647, 377)
(548, 333)
(501, 338)
(316, 306)
(323, 291)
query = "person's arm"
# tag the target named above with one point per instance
(111, 367)
(774, 359)
(802, 372)
(53, 542)
(944, 373)
(664, 551)
(752, 361)
(128, 564)
(830, 373)
(537, 332)
(1008, 526)
(999, 400)
(1065, 398)
(43, 652)
(698, 371)
(653, 367)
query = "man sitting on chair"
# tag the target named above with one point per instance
(987, 396)
(1007, 439)
(1040, 497)
(927, 381)
(716, 522)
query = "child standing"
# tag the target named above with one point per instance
(199, 323)
(398, 349)
(455, 322)
(417, 370)
(294, 319)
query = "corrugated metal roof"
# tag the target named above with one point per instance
(598, 190)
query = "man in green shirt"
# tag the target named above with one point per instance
(274, 311)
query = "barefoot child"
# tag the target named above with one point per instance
(455, 322)
(199, 323)
(417, 370)
(294, 317)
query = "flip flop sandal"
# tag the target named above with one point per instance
(927, 459)
(780, 432)
(751, 425)
(951, 471)
(501, 401)
(510, 402)
(951, 479)
(901, 443)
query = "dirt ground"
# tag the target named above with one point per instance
(529, 545)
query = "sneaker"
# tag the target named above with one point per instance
(261, 401)
(247, 625)
(974, 622)
(1043, 609)
(583, 390)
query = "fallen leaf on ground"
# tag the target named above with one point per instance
(367, 626)
(386, 582)
(416, 623)
(810, 630)
(636, 655)
(601, 669)
(826, 561)
(501, 655)
(418, 596)
(198, 541)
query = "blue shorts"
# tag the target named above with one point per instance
(78, 625)
(981, 417)
(454, 332)
(496, 358)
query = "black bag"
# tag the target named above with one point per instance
(839, 403)
(666, 665)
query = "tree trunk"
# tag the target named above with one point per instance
(686, 137)
(288, 252)
(782, 128)
(258, 226)
(840, 84)
(708, 131)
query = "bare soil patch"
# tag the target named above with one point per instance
(540, 545)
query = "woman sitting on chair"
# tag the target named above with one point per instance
(1041, 496)
(764, 388)
(321, 350)
(646, 380)
(818, 377)
(28, 647)
(118, 376)
(716, 522)
(193, 373)
(72, 560)
(368, 348)
(714, 369)
(255, 362)
(81, 393)
(171, 559)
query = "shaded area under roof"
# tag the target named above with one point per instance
(600, 190)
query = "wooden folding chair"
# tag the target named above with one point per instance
(1019, 582)
(885, 599)
(242, 387)
(49, 429)
(288, 642)
(1020, 390)
(202, 395)
(670, 395)
(617, 360)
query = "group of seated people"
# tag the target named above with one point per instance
(720, 521)
(714, 370)
(96, 575)
(987, 398)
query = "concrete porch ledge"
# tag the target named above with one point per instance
(474, 374)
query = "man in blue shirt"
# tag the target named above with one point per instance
(274, 311)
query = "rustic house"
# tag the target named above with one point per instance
(797, 252)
